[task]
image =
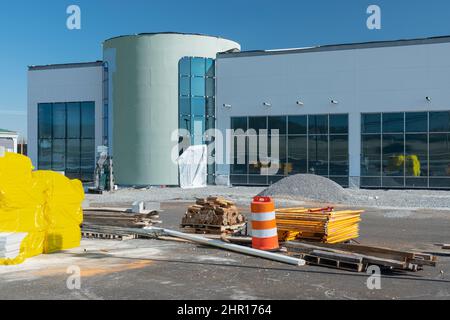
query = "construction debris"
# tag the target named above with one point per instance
(10, 244)
(120, 219)
(359, 257)
(102, 232)
(443, 246)
(213, 215)
(229, 246)
(323, 225)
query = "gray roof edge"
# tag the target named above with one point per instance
(340, 47)
(165, 33)
(4, 131)
(66, 65)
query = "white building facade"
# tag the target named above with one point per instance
(65, 111)
(369, 115)
(8, 140)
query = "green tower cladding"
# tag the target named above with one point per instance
(143, 93)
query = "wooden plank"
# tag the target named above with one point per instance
(338, 256)
(331, 263)
(367, 259)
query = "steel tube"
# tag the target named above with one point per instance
(229, 246)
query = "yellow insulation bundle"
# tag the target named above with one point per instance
(44, 205)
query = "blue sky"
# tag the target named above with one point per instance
(34, 32)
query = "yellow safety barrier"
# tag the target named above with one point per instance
(321, 224)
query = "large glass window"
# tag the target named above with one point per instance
(197, 101)
(307, 144)
(66, 134)
(412, 147)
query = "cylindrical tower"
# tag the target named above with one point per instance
(143, 100)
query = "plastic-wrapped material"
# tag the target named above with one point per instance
(193, 165)
(43, 204)
(21, 206)
(63, 212)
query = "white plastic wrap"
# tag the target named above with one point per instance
(193, 167)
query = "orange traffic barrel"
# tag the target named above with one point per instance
(264, 224)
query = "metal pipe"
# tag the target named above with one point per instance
(229, 246)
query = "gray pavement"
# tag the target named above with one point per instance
(153, 269)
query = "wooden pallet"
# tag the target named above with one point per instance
(211, 229)
(334, 263)
(110, 233)
(370, 255)
(107, 236)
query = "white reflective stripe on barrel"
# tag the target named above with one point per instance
(268, 233)
(267, 216)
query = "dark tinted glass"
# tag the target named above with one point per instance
(318, 155)
(59, 155)
(416, 122)
(371, 123)
(441, 183)
(239, 123)
(339, 155)
(371, 155)
(73, 120)
(439, 155)
(240, 157)
(210, 68)
(338, 123)
(393, 122)
(393, 155)
(88, 120)
(277, 154)
(185, 86)
(298, 152)
(59, 120)
(257, 123)
(185, 106)
(73, 158)
(318, 124)
(185, 123)
(370, 182)
(45, 154)
(297, 124)
(45, 114)
(210, 87)
(87, 159)
(440, 121)
(277, 123)
(210, 107)
(416, 161)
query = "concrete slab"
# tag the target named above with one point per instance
(153, 269)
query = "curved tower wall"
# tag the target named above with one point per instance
(143, 101)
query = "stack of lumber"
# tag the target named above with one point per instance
(355, 257)
(120, 219)
(10, 244)
(323, 225)
(213, 212)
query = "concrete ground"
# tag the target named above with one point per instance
(155, 269)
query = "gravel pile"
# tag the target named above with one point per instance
(308, 187)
